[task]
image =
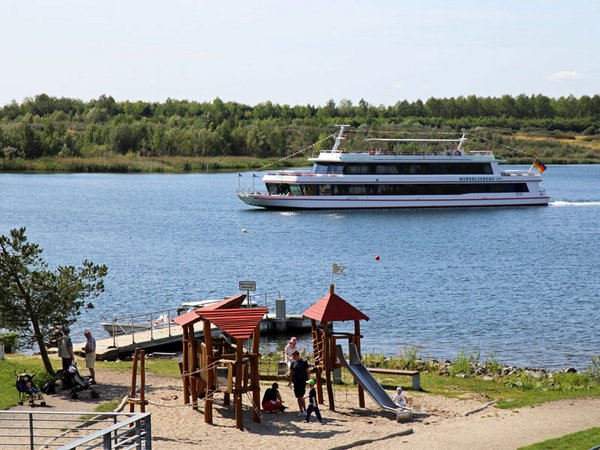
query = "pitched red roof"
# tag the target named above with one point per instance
(230, 302)
(192, 317)
(333, 308)
(236, 322)
(187, 318)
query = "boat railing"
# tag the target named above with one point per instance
(518, 173)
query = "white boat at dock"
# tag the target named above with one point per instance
(389, 173)
(271, 323)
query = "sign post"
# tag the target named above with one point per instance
(248, 286)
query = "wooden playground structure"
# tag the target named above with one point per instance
(222, 365)
(332, 308)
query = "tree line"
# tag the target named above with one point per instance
(45, 126)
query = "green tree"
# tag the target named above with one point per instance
(33, 299)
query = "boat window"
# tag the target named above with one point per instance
(309, 189)
(295, 189)
(324, 168)
(324, 189)
(278, 188)
(357, 169)
(421, 189)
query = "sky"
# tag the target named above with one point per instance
(298, 52)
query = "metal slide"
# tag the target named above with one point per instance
(365, 379)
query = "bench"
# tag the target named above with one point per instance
(414, 374)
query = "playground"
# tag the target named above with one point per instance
(178, 427)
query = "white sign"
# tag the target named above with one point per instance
(247, 285)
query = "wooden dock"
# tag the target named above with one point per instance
(155, 339)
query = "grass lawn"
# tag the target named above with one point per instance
(509, 393)
(582, 440)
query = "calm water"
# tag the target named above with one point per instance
(521, 284)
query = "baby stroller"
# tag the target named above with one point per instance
(28, 390)
(79, 383)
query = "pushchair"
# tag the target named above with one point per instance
(28, 390)
(78, 383)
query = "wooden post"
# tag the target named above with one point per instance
(143, 381)
(133, 379)
(361, 391)
(184, 364)
(318, 358)
(255, 376)
(210, 379)
(237, 393)
(192, 366)
(328, 368)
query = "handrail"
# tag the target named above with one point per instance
(27, 429)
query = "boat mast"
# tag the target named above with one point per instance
(340, 137)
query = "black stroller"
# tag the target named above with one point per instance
(28, 390)
(78, 383)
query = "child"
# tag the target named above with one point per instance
(399, 399)
(312, 402)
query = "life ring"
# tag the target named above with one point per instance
(457, 153)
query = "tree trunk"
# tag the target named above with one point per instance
(42, 345)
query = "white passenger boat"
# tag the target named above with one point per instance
(377, 178)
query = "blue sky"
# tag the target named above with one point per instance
(298, 52)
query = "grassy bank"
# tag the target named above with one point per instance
(142, 164)
(583, 440)
(518, 389)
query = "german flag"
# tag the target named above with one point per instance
(539, 166)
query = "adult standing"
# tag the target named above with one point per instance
(65, 352)
(289, 349)
(90, 354)
(299, 374)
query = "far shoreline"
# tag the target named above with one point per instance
(135, 164)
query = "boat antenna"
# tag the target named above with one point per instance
(339, 138)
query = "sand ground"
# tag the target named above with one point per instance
(443, 423)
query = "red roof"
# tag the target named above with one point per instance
(192, 317)
(333, 308)
(187, 318)
(236, 322)
(230, 302)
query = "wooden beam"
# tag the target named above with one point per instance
(237, 393)
(133, 378)
(255, 376)
(192, 366)
(210, 379)
(361, 391)
(184, 362)
(143, 381)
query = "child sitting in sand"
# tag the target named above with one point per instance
(400, 399)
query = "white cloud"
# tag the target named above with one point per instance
(398, 85)
(564, 75)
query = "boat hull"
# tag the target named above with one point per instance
(380, 202)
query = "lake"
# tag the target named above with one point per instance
(518, 284)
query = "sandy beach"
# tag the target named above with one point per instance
(443, 424)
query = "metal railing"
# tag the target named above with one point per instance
(137, 323)
(130, 325)
(75, 430)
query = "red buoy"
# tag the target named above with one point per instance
(377, 258)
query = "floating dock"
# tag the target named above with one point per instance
(166, 336)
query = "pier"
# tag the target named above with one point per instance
(155, 331)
